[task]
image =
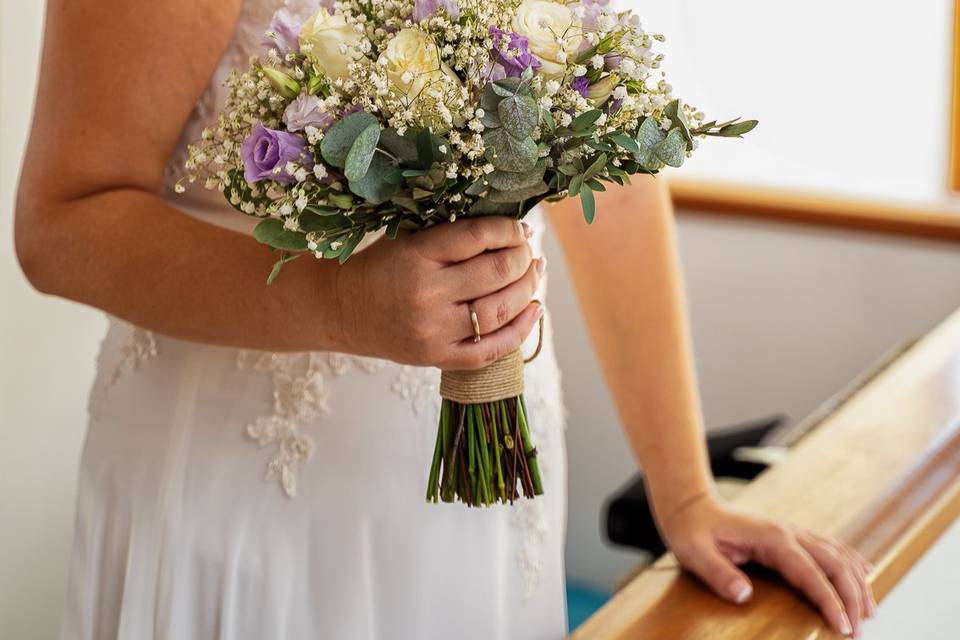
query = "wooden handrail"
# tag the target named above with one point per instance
(882, 474)
(809, 208)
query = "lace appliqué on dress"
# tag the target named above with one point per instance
(300, 395)
(137, 347)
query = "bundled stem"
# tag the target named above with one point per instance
(484, 454)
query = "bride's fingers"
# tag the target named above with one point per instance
(469, 355)
(780, 551)
(841, 572)
(862, 569)
(499, 308)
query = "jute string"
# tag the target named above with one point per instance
(498, 381)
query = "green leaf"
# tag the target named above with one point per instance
(596, 167)
(268, 229)
(284, 259)
(320, 210)
(490, 99)
(507, 153)
(648, 137)
(340, 137)
(568, 170)
(519, 115)
(374, 186)
(585, 120)
(518, 195)
(429, 149)
(575, 185)
(737, 129)
(506, 87)
(588, 203)
(595, 184)
(548, 119)
(678, 118)
(510, 180)
(626, 142)
(271, 232)
(361, 153)
(486, 207)
(407, 203)
(393, 227)
(310, 221)
(403, 148)
(673, 150)
(341, 200)
(350, 244)
(476, 188)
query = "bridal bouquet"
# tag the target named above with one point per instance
(390, 114)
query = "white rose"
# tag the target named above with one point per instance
(550, 32)
(323, 34)
(413, 62)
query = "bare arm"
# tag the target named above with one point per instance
(627, 275)
(118, 81)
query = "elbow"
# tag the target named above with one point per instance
(31, 239)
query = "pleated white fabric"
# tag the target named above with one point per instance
(248, 495)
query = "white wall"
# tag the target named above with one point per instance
(47, 350)
(782, 317)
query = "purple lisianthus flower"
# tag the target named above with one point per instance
(592, 10)
(423, 9)
(305, 112)
(284, 33)
(516, 57)
(612, 61)
(581, 85)
(266, 153)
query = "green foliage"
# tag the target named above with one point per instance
(271, 232)
(375, 185)
(361, 153)
(339, 138)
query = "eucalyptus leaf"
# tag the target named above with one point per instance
(407, 203)
(675, 112)
(506, 86)
(648, 137)
(548, 119)
(476, 188)
(518, 195)
(361, 153)
(673, 150)
(510, 180)
(507, 153)
(737, 129)
(393, 228)
(403, 148)
(374, 186)
(596, 167)
(340, 137)
(271, 232)
(486, 207)
(519, 115)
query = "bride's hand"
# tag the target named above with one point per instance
(710, 539)
(407, 299)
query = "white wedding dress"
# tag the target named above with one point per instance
(269, 496)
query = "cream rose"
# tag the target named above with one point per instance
(551, 34)
(323, 34)
(413, 62)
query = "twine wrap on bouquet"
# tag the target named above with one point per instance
(483, 447)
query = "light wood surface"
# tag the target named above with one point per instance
(823, 210)
(882, 473)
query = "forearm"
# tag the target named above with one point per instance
(627, 276)
(131, 254)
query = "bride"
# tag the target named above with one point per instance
(255, 458)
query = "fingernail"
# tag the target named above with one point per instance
(741, 591)
(541, 266)
(527, 231)
(845, 627)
